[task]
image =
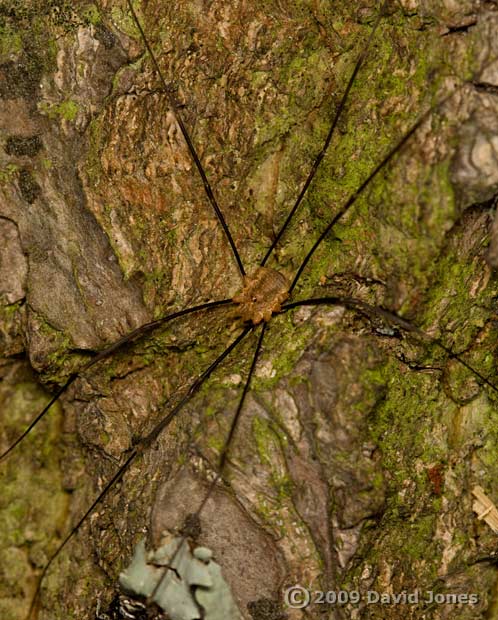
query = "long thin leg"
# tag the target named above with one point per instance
(368, 310)
(335, 120)
(131, 337)
(235, 420)
(223, 458)
(136, 451)
(356, 194)
(188, 140)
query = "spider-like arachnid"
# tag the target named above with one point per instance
(360, 438)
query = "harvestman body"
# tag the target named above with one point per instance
(263, 294)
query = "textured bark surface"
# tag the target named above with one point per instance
(358, 448)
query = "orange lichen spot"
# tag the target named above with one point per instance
(263, 294)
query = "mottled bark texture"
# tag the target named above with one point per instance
(359, 446)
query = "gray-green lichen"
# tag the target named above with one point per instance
(187, 585)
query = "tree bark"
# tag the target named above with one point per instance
(360, 442)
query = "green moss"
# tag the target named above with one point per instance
(8, 173)
(352, 158)
(61, 357)
(67, 109)
(419, 538)
(284, 486)
(91, 14)
(403, 423)
(124, 21)
(10, 41)
(9, 310)
(263, 440)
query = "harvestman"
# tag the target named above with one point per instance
(265, 293)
